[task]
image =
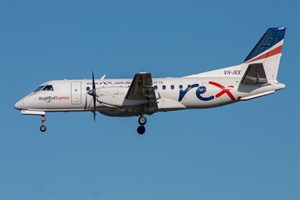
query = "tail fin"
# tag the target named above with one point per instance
(268, 52)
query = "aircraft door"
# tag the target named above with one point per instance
(76, 92)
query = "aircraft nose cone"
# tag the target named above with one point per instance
(19, 105)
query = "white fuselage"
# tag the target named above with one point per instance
(171, 94)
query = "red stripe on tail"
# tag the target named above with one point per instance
(268, 54)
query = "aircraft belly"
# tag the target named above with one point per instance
(119, 112)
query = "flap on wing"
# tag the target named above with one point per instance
(255, 74)
(141, 87)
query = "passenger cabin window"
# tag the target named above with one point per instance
(48, 88)
(155, 87)
(163, 87)
(172, 87)
(180, 87)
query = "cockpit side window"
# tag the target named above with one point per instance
(39, 88)
(48, 88)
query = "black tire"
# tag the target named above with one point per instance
(142, 120)
(141, 130)
(43, 128)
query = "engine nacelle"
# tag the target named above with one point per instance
(115, 96)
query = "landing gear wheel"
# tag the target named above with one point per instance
(141, 130)
(43, 128)
(142, 120)
(43, 120)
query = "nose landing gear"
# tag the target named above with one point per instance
(43, 128)
(142, 121)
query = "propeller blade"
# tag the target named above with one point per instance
(94, 115)
(94, 87)
(93, 93)
(94, 111)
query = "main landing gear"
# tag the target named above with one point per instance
(43, 128)
(142, 121)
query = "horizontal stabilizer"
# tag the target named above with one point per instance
(255, 74)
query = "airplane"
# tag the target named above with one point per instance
(144, 95)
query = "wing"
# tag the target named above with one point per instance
(141, 89)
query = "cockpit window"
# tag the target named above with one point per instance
(48, 88)
(39, 88)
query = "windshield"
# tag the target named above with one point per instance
(48, 88)
(44, 88)
(39, 88)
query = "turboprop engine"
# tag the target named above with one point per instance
(113, 96)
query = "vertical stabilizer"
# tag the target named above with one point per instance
(268, 51)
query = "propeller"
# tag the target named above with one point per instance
(93, 93)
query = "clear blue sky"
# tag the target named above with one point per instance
(244, 151)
